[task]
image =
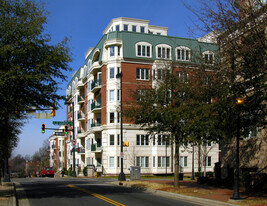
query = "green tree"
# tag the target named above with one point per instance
(177, 105)
(30, 66)
(240, 31)
(17, 165)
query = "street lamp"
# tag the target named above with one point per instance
(236, 196)
(73, 137)
(121, 175)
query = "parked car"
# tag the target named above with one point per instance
(47, 172)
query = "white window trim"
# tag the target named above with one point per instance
(109, 51)
(166, 46)
(109, 118)
(110, 166)
(146, 143)
(185, 48)
(182, 158)
(113, 140)
(141, 29)
(207, 158)
(162, 162)
(145, 79)
(109, 73)
(145, 162)
(146, 44)
(127, 27)
(114, 95)
(209, 53)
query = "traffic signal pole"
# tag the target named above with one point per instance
(73, 137)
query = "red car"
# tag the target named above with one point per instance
(47, 172)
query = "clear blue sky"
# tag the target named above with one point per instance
(83, 22)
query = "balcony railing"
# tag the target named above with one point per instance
(81, 150)
(96, 84)
(80, 98)
(81, 116)
(96, 105)
(80, 131)
(96, 124)
(96, 148)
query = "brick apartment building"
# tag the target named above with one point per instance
(137, 50)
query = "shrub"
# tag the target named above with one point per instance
(70, 172)
(85, 171)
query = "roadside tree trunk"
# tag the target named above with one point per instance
(176, 166)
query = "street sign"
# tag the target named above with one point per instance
(73, 141)
(61, 123)
(59, 134)
(122, 155)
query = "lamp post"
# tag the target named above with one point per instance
(121, 175)
(73, 137)
(236, 196)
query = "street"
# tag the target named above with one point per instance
(70, 191)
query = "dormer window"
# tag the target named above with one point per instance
(133, 28)
(163, 51)
(125, 27)
(114, 50)
(182, 53)
(143, 49)
(208, 57)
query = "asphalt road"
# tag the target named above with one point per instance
(79, 192)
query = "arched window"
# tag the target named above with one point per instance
(163, 51)
(96, 55)
(143, 49)
(183, 53)
(208, 57)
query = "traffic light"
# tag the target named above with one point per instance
(78, 149)
(52, 109)
(66, 129)
(43, 128)
(126, 144)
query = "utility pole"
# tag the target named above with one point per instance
(73, 137)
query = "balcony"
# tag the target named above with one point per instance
(95, 67)
(96, 85)
(81, 150)
(80, 84)
(97, 148)
(96, 106)
(80, 99)
(97, 124)
(80, 133)
(81, 116)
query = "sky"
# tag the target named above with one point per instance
(83, 22)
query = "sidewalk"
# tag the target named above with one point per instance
(194, 192)
(7, 194)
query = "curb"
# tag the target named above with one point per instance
(12, 201)
(21, 196)
(191, 199)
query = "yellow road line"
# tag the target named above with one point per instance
(97, 195)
